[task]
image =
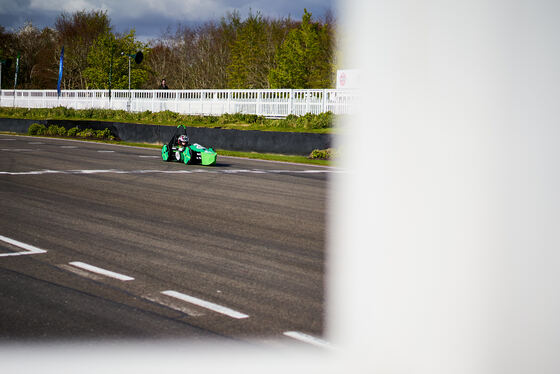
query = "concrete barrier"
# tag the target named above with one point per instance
(290, 143)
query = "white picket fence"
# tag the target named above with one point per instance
(268, 103)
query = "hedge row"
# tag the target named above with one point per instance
(54, 130)
(306, 122)
(323, 154)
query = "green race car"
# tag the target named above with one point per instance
(179, 149)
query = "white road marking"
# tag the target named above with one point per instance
(149, 156)
(104, 151)
(205, 304)
(8, 140)
(80, 272)
(17, 149)
(183, 171)
(308, 339)
(29, 249)
(178, 306)
(35, 143)
(68, 146)
(95, 269)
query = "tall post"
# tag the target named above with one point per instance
(129, 93)
(110, 74)
(15, 79)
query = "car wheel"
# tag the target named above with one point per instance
(165, 154)
(187, 155)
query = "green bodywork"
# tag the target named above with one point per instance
(165, 153)
(207, 155)
(190, 155)
(186, 156)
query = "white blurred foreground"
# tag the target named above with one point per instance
(444, 245)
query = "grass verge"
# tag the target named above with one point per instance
(323, 123)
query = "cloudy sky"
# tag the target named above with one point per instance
(151, 17)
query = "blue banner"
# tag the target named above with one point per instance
(60, 68)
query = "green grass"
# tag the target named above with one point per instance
(221, 152)
(274, 157)
(309, 123)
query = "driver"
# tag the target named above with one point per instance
(183, 141)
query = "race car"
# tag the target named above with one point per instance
(179, 149)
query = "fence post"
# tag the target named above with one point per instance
(228, 101)
(291, 102)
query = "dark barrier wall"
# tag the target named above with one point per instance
(234, 140)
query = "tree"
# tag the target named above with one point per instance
(36, 49)
(78, 32)
(249, 55)
(119, 47)
(304, 59)
(194, 57)
(7, 44)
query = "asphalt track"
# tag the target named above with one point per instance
(109, 242)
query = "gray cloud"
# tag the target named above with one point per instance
(151, 17)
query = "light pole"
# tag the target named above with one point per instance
(138, 57)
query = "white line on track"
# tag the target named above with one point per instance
(149, 156)
(18, 150)
(307, 339)
(183, 171)
(174, 304)
(95, 269)
(7, 140)
(143, 148)
(104, 151)
(68, 146)
(29, 249)
(205, 304)
(35, 143)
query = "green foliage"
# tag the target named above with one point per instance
(73, 131)
(305, 58)
(255, 52)
(36, 129)
(77, 32)
(323, 154)
(240, 118)
(109, 50)
(307, 122)
(248, 55)
(87, 133)
(104, 134)
(54, 130)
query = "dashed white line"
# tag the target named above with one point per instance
(17, 150)
(95, 269)
(149, 156)
(68, 146)
(105, 151)
(35, 143)
(29, 249)
(205, 304)
(174, 304)
(307, 339)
